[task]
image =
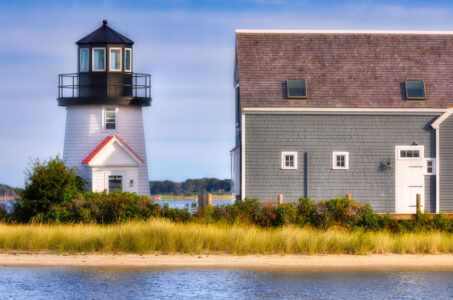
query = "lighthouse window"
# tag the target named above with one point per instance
(98, 59)
(115, 59)
(127, 60)
(84, 60)
(109, 118)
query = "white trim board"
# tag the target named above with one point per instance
(442, 118)
(242, 156)
(311, 110)
(297, 31)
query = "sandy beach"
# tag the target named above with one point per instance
(321, 262)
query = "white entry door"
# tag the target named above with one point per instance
(409, 178)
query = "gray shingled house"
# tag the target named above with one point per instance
(327, 113)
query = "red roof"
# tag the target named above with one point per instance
(103, 144)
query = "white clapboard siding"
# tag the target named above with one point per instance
(84, 132)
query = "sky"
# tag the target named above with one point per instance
(187, 47)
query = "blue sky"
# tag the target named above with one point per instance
(187, 46)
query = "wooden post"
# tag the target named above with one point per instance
(280, 199)
(204, 200)
(419, 203)
(348, 196)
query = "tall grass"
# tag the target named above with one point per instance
(163, 236)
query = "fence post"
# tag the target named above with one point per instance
(204, 200)
(419, 204)
(280, 199)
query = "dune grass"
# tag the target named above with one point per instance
(163, 236)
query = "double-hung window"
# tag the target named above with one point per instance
(110, 118)
(98, 59)
(84, 60)
(340, 161)
(289, 160)
(115, 59)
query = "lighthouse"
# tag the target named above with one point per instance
(104, 134)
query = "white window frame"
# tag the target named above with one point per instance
(80, 59)
(421, 150)
(335, 154)
(127, 70)
(92, 59)
(121, 59)
(433, 160)
(104, 108)
(283, 158)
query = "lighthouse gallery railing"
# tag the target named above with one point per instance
(79, 85)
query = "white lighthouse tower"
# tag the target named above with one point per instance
(104, 136)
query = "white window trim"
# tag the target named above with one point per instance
(92, 58)
(411, 148)
(121, 59)
(103, 119)
(283, 158)
(80, 59)
(346, 160)
(433, 160)
(127, 70)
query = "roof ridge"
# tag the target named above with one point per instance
(295, 31)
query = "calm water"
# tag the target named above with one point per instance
(57, 283)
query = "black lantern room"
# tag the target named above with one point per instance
(105, 73)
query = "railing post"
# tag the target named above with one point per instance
(72, 86)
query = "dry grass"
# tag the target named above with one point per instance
(166, 237)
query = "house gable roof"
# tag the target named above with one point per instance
(113, 151)
(344, 69)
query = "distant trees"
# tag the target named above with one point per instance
(191, 186)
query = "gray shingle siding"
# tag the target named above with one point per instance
(369, 139)
(446, 165)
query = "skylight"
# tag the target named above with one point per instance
(296, 89)
(415, 90)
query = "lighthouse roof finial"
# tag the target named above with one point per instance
(105, 35)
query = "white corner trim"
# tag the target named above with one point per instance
(344, 31)
(442, 118)
(437, 170)
(312, 110)
(242, 156)
(346, 160)
(283, 160)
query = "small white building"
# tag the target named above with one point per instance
(104, 137)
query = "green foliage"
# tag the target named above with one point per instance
(47, 183)
(101, 208)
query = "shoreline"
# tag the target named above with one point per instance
(376, 262)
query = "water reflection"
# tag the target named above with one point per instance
(49, 283)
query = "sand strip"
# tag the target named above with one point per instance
(325, 262)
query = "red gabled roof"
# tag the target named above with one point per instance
(103, 144)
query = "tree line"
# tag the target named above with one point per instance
(190, 186)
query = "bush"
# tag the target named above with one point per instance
(47, 183)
